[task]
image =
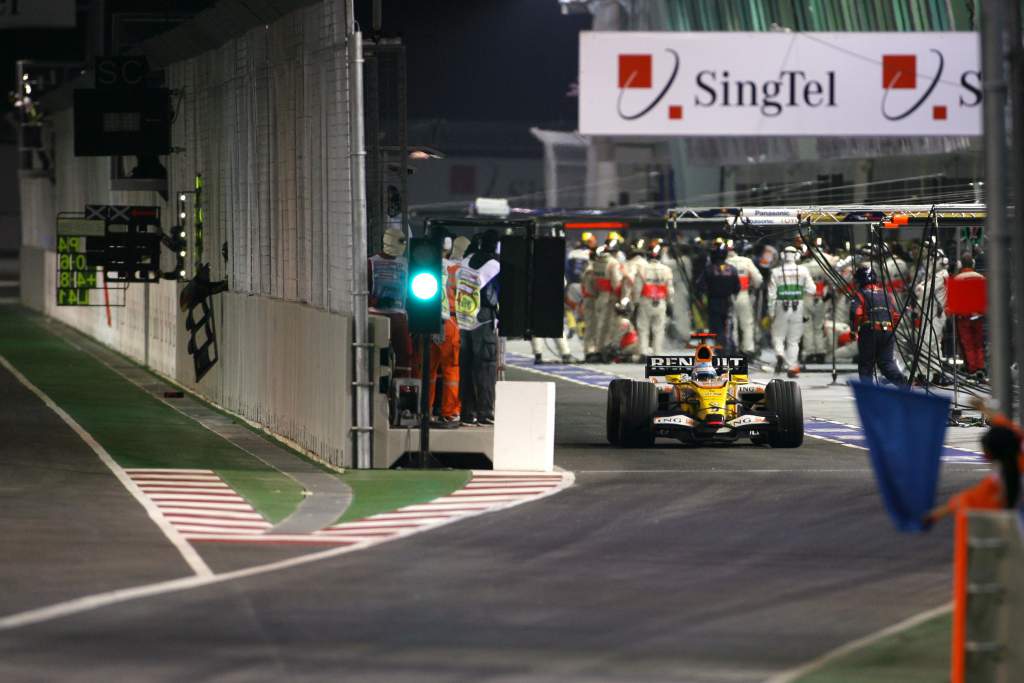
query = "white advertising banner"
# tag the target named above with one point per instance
(706, 83)
(37, 14)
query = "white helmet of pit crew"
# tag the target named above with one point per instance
(459, 246)
(394, 242)
(790, 254)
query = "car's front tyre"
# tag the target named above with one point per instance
(783, 398)
(611, 420)
(637, 406)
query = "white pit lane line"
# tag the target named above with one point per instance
(91, 602)
(855, 645)
(188, 553)
(203, 575)
(557, 481)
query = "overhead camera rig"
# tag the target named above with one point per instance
(919, 350)
(882, 215)
(790, 221)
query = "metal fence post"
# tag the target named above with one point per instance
(993, 69)
(994, 597)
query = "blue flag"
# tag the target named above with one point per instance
(905, 431)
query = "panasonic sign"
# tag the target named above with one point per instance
(706, 83)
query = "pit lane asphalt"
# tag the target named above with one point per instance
(724, 564)
(68, 527)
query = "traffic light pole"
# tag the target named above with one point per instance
(424, 400)
(1016, 97)
(423, 308)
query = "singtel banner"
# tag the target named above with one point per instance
(878, 84)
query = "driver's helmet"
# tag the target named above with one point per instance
(704, 372)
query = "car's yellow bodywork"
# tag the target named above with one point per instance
(707, 402)
(703, 399)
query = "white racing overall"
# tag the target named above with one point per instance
(652, 290)
(743, 306)
(790, 282)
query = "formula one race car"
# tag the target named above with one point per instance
(703, 399)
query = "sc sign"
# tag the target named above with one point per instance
(706, 83)
(121, 72)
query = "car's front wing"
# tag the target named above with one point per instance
(686, 428)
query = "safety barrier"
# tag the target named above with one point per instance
(988, 613)
(284, 365)
(524, 431)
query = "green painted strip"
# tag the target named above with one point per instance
(136, 429)
(376, 492)
(917, 655)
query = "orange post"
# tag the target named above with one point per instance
(956, 661)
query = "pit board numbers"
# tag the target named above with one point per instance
(75, 276)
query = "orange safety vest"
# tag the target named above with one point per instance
(985, 495)
(452, 269)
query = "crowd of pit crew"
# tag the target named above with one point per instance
(627, 299)
(463, 358)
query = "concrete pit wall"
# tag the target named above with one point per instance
(264, 119)
(282, 365)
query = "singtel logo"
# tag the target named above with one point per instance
(793, 88)
(899, 72)
(635, 72)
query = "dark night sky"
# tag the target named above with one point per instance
(468, 60)
(485, 60)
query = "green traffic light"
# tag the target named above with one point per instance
(424, 286)
(423, 292)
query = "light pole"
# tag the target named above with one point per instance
(993, 69)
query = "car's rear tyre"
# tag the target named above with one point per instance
(785, 401)
(637, 405)
(611, 420)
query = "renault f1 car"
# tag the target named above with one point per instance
(703, 399)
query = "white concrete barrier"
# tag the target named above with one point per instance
(524, 426)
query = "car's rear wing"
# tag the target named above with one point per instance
(659, 366)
